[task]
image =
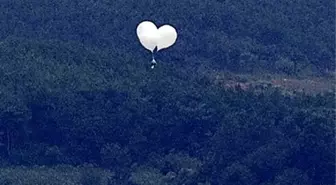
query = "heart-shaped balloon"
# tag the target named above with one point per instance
(151, 37)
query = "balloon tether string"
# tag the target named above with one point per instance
(153, 63)
(153, 56)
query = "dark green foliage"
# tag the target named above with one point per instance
(56, 175)
(293, 177)
(5, 182)
(301, 32)
(76, 88)
(90, 176)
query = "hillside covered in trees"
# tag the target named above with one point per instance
(79, 104)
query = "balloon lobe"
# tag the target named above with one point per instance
(167, 37)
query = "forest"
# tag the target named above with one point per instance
(79, 104)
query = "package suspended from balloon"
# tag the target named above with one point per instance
(151, 37)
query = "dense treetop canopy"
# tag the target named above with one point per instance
(79, 104)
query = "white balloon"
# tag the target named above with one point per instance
(151, 37)
(167, 37)
(148, 35)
